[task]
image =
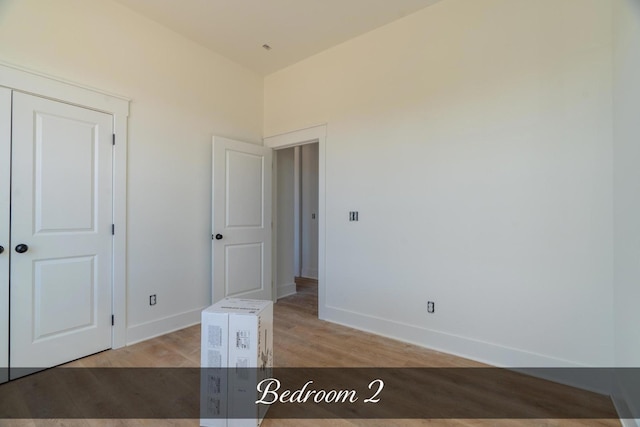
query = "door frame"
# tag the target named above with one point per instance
(310, 135)
(5, 215)
(24, 80)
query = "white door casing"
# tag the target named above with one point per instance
(18, 78)
(241, 223)
(5, 178)
(61, 208)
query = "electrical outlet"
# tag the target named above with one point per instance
(431, 307)
(152, 299)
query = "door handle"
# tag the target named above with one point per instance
(1, 249)
(22, 248)
(219, 236)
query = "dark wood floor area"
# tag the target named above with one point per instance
(300, 340)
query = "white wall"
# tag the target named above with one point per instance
(182, 94)
(474, 137)
(285, 199)
(627, 182)
(627, 190)
(309, 208)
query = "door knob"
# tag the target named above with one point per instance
(22, 248)
(219, 236)
(1, 249)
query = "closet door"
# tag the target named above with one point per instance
(5, 179)
(61, 242)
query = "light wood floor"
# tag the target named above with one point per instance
(300, 340)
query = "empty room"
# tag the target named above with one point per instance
(417, 187)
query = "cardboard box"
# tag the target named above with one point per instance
(236, 338)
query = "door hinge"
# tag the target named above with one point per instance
(114, 139)
(113, 320)
(113, 229)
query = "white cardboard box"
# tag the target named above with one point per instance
(236, 333)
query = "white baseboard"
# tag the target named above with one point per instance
(626, 422)
(155, 328)
(285, 290)
(309, 273)
(479, 351)
(621, 408)
(621, 403)
(476, 350)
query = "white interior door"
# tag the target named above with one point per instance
(5, 179)
(241, 220)
(61, 242)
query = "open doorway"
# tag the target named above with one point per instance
(306, 238)
(284, 267)
(296, 225)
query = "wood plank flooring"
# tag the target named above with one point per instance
(300, 340)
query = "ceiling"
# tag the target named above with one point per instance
(295, 29)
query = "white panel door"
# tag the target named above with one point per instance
(5, 179)
(241, 220)
(61, 242)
